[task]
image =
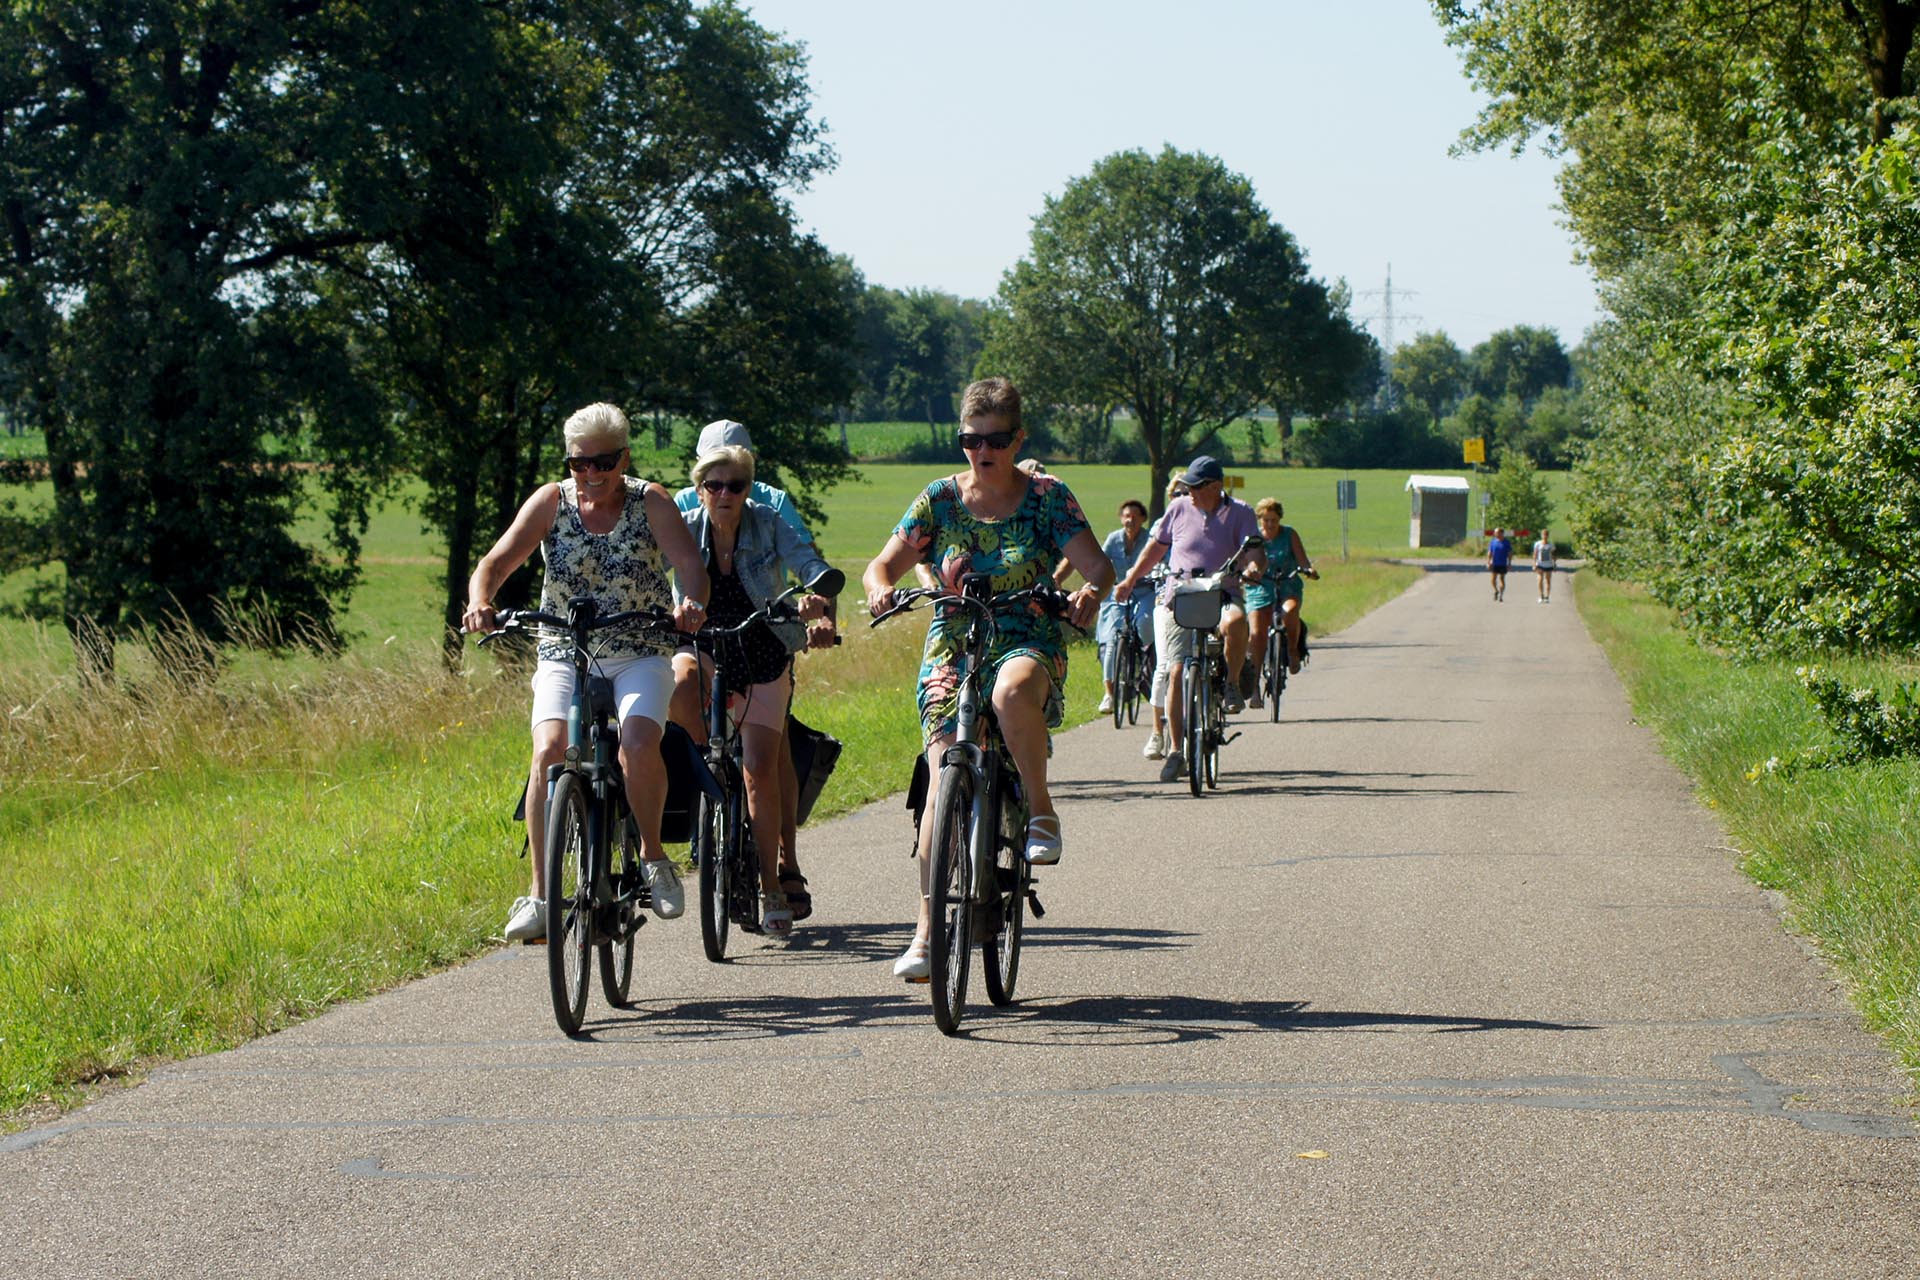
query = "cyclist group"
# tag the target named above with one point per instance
(713, 554)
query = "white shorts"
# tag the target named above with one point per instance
(641, 687)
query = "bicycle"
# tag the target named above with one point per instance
(592, 905)
(1132, 669)
(723, 844)
(981, 880)
(1273, 665)
(1197, 607)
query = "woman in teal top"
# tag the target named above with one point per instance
(1286, 563)
(997, 519)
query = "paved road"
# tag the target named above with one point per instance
(1454, 924)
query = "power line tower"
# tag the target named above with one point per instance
(1385, 317)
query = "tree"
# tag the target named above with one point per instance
(171, 176)
(1160, 283)
(1743, 187)
(1517, 496)
(1432, 372)
(1520, 362)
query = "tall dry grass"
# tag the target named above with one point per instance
(174, 702)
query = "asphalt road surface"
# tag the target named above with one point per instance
(1452, 977)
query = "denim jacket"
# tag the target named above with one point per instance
(766, 550)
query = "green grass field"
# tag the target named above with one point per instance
(1838, 843)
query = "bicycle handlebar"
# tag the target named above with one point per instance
(1044, 593)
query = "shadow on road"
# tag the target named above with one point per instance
(870, 943)
(1334, 782)
(1185, 1019)
(1287, 782)
(1287, 719)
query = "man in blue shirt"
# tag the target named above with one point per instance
(1499, 553)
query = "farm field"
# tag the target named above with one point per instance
(396, 606)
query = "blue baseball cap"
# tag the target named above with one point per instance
(1203, 469)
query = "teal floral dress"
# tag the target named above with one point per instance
(1018, 551)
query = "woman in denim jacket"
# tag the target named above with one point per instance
(749, 551)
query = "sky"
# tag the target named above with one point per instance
(953, 124)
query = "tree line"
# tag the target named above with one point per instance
(262, 259)
(1742, 180)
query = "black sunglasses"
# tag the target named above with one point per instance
(598, 461)
(724, 486)
(994, 439)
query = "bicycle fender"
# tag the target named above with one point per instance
(967, 754)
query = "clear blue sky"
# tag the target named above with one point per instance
(953, 122)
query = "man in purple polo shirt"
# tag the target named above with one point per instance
(1197, 534)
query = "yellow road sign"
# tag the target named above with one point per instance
(1473, 449)
(1236, 482)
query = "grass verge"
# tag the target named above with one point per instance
(1837, 843)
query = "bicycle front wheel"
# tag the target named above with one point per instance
(569, 888)
(1276, 668)
(1139, 673)
(710, 847)
(616, 957)
(951, 877)
(1122, 681)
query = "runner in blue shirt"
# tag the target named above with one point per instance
(1499, 553)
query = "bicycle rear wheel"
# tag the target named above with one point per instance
(716, 860)
(1122, 677)
(569, 888)
(616, 958)
(1198, 679)
(1013, 874)
(951, 877)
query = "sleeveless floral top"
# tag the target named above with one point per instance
(621, 569)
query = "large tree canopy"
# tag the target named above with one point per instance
(1742, 179)
(401, 235)
(1160, 283)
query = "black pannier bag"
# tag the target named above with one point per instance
(814, 755)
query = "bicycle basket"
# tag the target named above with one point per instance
(1197, 607)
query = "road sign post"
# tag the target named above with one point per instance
(1344, 494)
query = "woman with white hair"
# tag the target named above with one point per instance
(611, 536)
(748, 552)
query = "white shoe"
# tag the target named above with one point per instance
(1156, 748)
(1043, 840)
(527, 920)
(916, 962)
(669, 900)
(1106, 704)
(1174, 768)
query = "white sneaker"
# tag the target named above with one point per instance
(669, 900)
(1106, 704)
(528, 919)
(1156, 748)
(1174, 768)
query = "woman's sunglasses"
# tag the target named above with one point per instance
(993, 439)
(598, 461)
(724, 486)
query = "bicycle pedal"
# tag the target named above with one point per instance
(1033, 905)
